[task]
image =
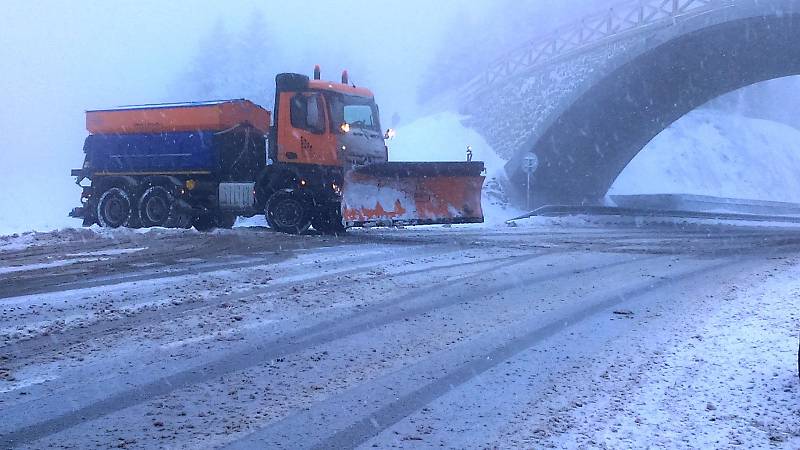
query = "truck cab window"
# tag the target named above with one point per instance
(308, 113)
(315, 114)
(355, 111)
(360, 116)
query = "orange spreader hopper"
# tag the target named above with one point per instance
(413, 194)
(178, 117)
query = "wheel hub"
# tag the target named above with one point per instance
(156, 210)
(116, 210)
(288, 213)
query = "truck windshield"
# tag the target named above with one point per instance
(356, 111)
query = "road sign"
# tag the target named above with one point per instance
(531, 163)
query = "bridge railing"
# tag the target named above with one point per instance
(593, 30)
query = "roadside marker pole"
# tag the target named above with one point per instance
(530, 164)
(528, 201)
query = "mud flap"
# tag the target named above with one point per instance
(413, 194)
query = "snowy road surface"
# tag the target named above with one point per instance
(464, 337)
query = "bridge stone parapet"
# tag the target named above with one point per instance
(515, 110)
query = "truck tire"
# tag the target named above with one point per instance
(157, 208)
(114, 208)
(329, 221)
(288, 212)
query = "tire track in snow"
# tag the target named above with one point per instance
(43, 343)
(90, 412)
(41, 287)
(167, 255)
(293, 431)
(389, 311)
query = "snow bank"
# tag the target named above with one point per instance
(721, 154)
(38, 207)
(442, 137)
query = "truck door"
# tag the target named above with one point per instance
(305, 138)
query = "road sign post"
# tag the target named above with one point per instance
(530, 164)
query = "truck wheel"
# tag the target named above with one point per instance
(114, 208)
(329, 221)
(157, 208)
(288, 212)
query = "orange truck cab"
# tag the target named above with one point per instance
(328, 136)
(321, 129)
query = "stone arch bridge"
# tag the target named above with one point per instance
(588, 97)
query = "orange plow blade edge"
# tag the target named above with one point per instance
(413, 194)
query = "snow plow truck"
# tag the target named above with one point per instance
(320, 160)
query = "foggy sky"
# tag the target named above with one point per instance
(60, 58)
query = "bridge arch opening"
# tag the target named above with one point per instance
(744, 145)
(585, 149)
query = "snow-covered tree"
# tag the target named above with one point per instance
(769, 100)
(207, 75)
(255, 62)
(232, 65)
(471, 43)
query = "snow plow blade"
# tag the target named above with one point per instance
(413, 194)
